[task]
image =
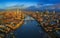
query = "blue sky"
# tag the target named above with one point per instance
(8, 3)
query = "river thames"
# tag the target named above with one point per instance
(30, 29)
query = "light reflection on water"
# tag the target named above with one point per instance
(30, 30)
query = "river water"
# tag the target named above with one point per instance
(30, 29)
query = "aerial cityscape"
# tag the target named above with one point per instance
(30, 19)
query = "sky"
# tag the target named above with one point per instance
(26, 3)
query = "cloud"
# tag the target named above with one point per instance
(11, 4)
(21, 4)
(26, 4)
(43, 5)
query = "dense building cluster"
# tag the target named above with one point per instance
(10, 20)
(50, 21)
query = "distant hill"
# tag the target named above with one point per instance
(43, 8)
(36, 8)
